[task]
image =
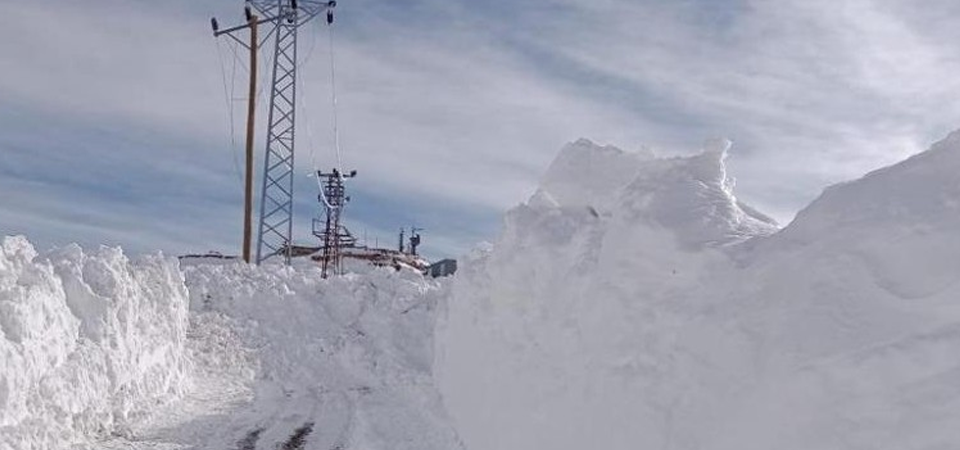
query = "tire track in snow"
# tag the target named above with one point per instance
(249, 442)
(298, 439)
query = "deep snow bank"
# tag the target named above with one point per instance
(88, 342)
(564, 335)
(100, 352)
(347, 361)
(651, 309)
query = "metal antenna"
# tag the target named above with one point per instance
(414, 239)
(334, 235)
(276, 197)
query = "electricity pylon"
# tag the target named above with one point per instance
(276, 196)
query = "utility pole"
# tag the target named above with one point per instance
(334, 235)
(253, 46)
(251, 111)
(276, 199)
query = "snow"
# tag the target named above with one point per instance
(89, 342)
(102, 352)
(351, 355)
(655, 310)
(583, 172)
(632, 302)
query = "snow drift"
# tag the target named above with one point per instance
(88, 342)
(100, 352)
(641, 305)
(346, 360)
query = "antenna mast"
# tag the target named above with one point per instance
(335, 236)
(276, 195)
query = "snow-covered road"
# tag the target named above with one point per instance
(269, 357)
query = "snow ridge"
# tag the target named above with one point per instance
(349, 358)
(691, 196)
(658, 312)
(98, 352)
(89, 342)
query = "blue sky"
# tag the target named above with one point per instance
(115, 127)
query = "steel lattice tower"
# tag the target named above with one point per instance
(276, 196)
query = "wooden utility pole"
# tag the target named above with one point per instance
(251, 110)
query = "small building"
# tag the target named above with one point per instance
(442, 268)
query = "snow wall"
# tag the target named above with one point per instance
(641, 305)
(88, 342)
(350, 358)
(100, 352)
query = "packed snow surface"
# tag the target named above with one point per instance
(101, 352)
(634, 303)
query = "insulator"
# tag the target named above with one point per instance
(248, 13)
(293, 4)
(214, 24)
(329, 17)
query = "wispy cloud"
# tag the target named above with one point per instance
(450, 110)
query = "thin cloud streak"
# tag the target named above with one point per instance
(451, 110)
(826, 89)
